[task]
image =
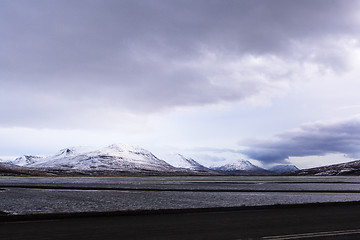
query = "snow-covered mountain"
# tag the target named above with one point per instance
(349, 168)
(116, 157)
(179, 161)
(25, 160)
(241, 167)
(283, 168)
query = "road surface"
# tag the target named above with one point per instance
(340, 221)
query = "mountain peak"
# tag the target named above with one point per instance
(120, 147)
(66, 152)
(241, 167)
(180, 161)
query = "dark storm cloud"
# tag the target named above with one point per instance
(144, 56)
(318, 139)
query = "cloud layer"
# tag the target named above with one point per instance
(319, 138)
(62, 61)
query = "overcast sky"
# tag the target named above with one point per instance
(272, 81)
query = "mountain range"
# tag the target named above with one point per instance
(121, 159)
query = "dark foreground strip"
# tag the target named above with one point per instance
(8, 217)
(3, 214)
(312, 182)
(255, 182)
(314, 235)
(177, 190)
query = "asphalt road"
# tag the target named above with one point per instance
(307, 222)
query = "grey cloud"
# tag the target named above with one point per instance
(215, 150)
(313, 139)
(142, 56)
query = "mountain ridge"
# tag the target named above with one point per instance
(341, 169)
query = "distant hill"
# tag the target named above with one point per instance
(283, 168)
(241, 167)
(349, 168)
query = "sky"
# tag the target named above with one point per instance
(270, 81)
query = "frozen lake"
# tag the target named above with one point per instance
(24, 195)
